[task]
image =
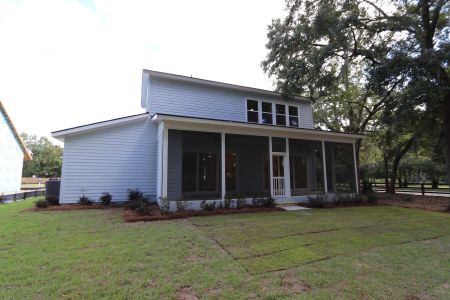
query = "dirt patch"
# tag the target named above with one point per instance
(66, 207)
(293, 284)
(433, 203)
(186, 293)
(155, 214)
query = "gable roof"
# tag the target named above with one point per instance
(26, 153)
(147, 74)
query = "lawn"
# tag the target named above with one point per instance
(361, 252)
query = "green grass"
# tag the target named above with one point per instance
(364, 252)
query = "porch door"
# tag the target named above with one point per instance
(278, 186)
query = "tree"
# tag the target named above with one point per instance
(399, 45)
(47, 157)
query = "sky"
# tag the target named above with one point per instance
(68, 63)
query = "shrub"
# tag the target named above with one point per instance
(85, 200)
(371, 198)
(164, 205)
(318, 201)
(105, 199)
(181, 204)
(366, 188)
(208, 206)
(406, 197)
(240, 202)
(135, 194)
(41, 203)
(270, 201)
(142, 210)
(356, 198)
(52, 200)
(227, 201)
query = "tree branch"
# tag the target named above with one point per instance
(377, 8)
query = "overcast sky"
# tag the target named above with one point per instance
(68, 63)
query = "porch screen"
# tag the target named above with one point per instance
(340, 167)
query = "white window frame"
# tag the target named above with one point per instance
(274, 114)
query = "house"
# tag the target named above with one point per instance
(12, 153)
(205, 140)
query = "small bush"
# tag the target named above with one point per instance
(52, 200)
(85, 200)
(240, 202)
(366, 188)
(40, 203)
(181, 204)
(142, 210)
(105, 199)
(406, 197)
(227, 201)
(208, 206)
(135, 194)
(371, 198)
(164, 205)
(319, 201)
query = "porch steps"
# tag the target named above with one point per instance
(294, 207)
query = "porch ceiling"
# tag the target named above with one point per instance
(234, 127)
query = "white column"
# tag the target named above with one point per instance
(287, 172)
(224, 188)
(324, 160)
(165, 160)
(270, 166)
(356, 169)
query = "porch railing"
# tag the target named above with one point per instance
(278, 186)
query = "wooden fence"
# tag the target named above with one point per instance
(415, 188)
(21, 196)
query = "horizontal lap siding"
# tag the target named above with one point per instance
(194, 100)
(110, 160)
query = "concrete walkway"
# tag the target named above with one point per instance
(294, 207)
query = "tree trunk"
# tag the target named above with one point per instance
(396, 163)
(386, 172)
(446, 134)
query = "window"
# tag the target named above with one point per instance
(252, 111)
(293, 116)
(280, 110)
(266, 116)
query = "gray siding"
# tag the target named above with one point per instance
(110, 160)
(195, 100)
(174, 165)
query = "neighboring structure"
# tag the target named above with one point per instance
(12, 153)
(202, 140)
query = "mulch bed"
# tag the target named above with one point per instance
(155, 214)
(67, 207)
(433, 203)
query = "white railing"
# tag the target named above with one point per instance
(278, 186)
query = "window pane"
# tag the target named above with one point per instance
(293, 111)
(207, 171)
(293, 121)
(281, 109)
(252, 116)
(189, 171)
(266, 118)
(278, 144)
(252, 105)
(281, 120)
(267, 107)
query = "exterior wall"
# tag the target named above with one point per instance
(194, 100)
(110, 160)
(11, 159)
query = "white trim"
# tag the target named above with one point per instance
(356, 169)
(224, 188)
(270, 166)
(95, 126)
(165, 160)
(287, 171)
(220, 85)
(324, 160)
(196, 124)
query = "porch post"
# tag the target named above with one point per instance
(356, 169)
(224, 188)
(270, 167)
(287, 172)
(324, 160)
(165, 160)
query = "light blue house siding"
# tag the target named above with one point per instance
(112, 160)
(11, 159)
(194, 100)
